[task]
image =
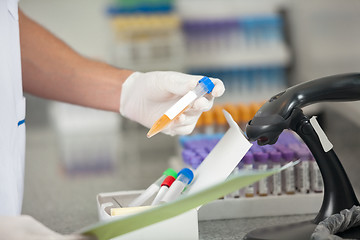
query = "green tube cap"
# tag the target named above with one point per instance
(170, 172)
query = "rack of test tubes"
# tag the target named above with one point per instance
(214, 121)
(247, 84)
(302, 183)
(147, 35)
(241, 42)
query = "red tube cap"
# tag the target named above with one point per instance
(168, 181)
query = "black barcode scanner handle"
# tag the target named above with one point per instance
(275, 115)
(283, 111)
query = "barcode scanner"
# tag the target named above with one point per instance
(283, 111)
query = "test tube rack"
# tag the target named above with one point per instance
(307, 186)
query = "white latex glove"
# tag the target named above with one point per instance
(27, 228)
(146, 96)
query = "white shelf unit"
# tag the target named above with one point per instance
(233, 36)
(218, 9)
(273, 56)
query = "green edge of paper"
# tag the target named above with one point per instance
(106, 230)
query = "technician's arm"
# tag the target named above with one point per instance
(53, 70)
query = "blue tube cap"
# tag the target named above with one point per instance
(207, 83)
(187, 173)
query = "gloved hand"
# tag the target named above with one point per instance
(146, 96)
(27, 228)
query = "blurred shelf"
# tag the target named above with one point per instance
(272, 56)
(219, 9)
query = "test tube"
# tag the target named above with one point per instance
(187, 156)
(244, 115)
(221, 124)
(202, 150)
(289, 173)
(199, 125)
(232, 109)
(255, 148)
(317, 184)
(196, 161)
(275, 158)
(280, 147)
(152, 189)
(253, 108)
(185, 176)
(268, 148)
(248, 28)
(209, 127)
(294, 146)
(261, 159)
(235, 194)
(163, 189)
(205, 85)
(302, 170)
(242, 90)
(248, 164)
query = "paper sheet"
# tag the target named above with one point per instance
(222, 160)
(120, 225)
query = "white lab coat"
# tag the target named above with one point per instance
(12, 112)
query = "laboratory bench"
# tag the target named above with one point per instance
(65, 200)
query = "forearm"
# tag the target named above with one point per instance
(53, 70)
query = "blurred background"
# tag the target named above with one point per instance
(258, 48)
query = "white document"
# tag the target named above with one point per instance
(222, 160)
